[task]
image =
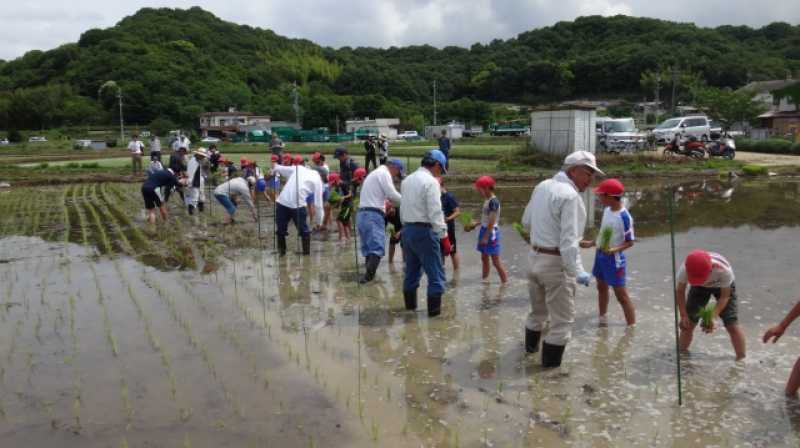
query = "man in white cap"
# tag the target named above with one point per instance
(195, 195)
(555, 218)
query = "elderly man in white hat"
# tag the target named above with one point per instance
(195, 195)
(555, 218)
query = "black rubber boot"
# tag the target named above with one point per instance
(371, 267)
(532, 340)
(411, 300)
(551, 355)
(306, 245)
(281, 245)
(190, 209)
(201, 206)
(434, 306)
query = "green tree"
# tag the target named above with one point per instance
(728, 106)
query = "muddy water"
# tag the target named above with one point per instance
(99, 351)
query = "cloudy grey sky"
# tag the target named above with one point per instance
(45, 24)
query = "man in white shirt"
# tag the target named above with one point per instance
(136, 148)
(378, 187)
(555, 218)
(195, 196)
(708, 274)
(423, 230)
(291, 203)
(155, 148)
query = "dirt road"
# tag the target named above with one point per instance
(767, 159)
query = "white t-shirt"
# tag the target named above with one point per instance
(135, 147)
(721, 273)
(621, 222)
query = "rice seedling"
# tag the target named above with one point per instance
(126, 401)
(186, 442)
(604, 242)
(81, 217)
(467, 221)
(706, 315)
(124, 443)
(521, 231)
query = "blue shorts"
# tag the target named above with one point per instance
(274, 183)
(326, 194)
(492, 247)
(610, 268)
(227, 203)
(310, 199)
(261, 185)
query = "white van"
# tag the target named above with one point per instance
(695, 125)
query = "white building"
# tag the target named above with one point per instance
(562, 130)
(217, 124)
(454, 130)
(385, 126)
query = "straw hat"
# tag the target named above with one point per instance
(200, 152)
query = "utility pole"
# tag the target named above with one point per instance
(674, 80)
(296, 103)
(434, 102)
(114, 85)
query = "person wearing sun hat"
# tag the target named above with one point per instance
(708, 274)
(195, 193)
(555, 218)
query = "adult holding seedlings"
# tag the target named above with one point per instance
(708, 274)
(555, 218)
(616, 236)
(775, 333)
(136, 148)
(378, 188)
(423, 230)
(166, 180)
(195, 195)
(291, 204)
(236, 188)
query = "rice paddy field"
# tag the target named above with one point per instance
(192, 334)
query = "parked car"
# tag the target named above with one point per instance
(3, 141)
(37, 138)
(692, 126)
(210, 140)
(407, 135)
(619, 134)
(81, 144)
(715, 129)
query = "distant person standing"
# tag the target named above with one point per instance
(155, 149)
(444, 146)
(369, 153)
(276, 145)
(383, 149)
(181, 142)
(195, 195)
(214, 157)
(136, 148)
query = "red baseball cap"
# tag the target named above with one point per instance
(275, 158)
(317, 156)
(698, 267)
(333, 178)
(485, 182)
(298, 160)
(611, 187)
(243, 161)
(287, 159)
(359, 174)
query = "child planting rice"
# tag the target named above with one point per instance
(775, 333)
(489, 235)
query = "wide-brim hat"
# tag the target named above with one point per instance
(582, 158)
(200, 152)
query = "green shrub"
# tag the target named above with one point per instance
(755, 170)
(14, 136)
(769, 146)
(73, 165)
(90, 165)
(44, 165)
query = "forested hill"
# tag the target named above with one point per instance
(173, 64)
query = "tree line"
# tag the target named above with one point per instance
(173, 64)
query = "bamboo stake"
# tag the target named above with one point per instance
(674, 297)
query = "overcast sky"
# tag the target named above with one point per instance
(45, 24)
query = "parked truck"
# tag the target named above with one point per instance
(512, 128)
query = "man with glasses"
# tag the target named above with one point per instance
(555, 218)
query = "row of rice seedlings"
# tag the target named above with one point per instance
(122, 217)
(82, 224)
(23, 212)
(11, 212)
(185, 325)
(100, 229)
(65, 219)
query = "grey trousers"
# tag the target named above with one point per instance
(552, 294)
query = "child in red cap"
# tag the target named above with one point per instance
(489, 235)
(708, 274)
(616, 236)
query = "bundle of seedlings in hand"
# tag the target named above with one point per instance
(706, 315)
(521, 230)
(334, 197)
(391, 230)
(605, 238)
(466, 221)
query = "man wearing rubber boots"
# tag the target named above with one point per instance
(291, 204)
(423, 232)
(378, 187)
(555, 218)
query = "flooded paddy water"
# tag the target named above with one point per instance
(194, 334)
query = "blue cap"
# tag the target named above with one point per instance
(340, 151)
(397, 163)
(438, 156)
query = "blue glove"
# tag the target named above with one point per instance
(583, 278)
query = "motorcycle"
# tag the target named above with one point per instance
(725, 147)
(693, 148)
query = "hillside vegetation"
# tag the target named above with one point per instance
(173, 64)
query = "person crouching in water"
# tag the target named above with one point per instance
(616, 236)
(195, 194)
(237, 188)
(708, 274)
(451, 213)
(166, 180)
